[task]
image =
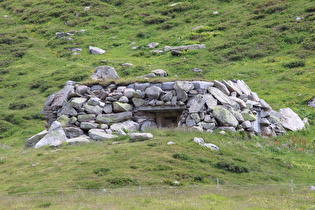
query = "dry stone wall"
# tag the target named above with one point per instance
(204, 106)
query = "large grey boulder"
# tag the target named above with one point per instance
(32, 141)
(224, 116)
(160, 72)
(153, 92)
(104, 73)
(113, 118)
(148, 124)
(54, 137)
(128, 125)
(290, 120)
(100, 135)
(197, 103)
(96, 50)
(79, 139)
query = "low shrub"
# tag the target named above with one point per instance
(232, 166)
(18, 105)
(294, 64)
(101, 171)
(122, 181)
(155, 19)
(182, 156)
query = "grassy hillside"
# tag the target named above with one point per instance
(269, 44)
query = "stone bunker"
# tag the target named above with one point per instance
(96, 112)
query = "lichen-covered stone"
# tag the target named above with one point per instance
(224, 116)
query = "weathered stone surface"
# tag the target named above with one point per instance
(100, 135)
(264, 121)
(86, 117)
(239, 101)
(96, 50)
(167, 96)
(197, 103)
(67, 109)
(128, 92)
(77, 103)
(211, 146)
(92, 109)
(113, 118)
(210, 101)
(32, 141)
(142, 86)
(224, 116)
(93, 101)
(167, 86)
(63, 120)
(244, 88)
(82, 89)
(55, 136)
(72, 132)
(88, 125)
(138, 102)
(183, 85)
(79, 139)
(108, 109)
(153, 92)
(129, 125)
(148, 124)
(232, 87)
(290, 120)
(253, 96)
(160, 72)
(140, 136)
(224, 99)
(104, 73)
(221, 87)
(57, 99)
(264, 104)
(153, 45)
(202, 85)
(248, 115)
(195, 117)
(121, 107)
(311, 102)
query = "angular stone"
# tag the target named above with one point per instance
(211, 146)
(67, 109)
(129, 92)
(153, 92)
(137, 102)
(232, 87)
(224, 116)
(183, 85)
(88, 125)
(264, 121)
(224, 99)
(113, 118)
(92, 109)
(221, 87)
(290, 120)
(72, 132)
(239, 101)
(202, 85)
(253, 96)
(54, 136)
(181, 95)
(207, 126)
(121, 107)
(142, 86)
(167, 96)
(195, 117)
(96, 50)
(247, 124)
(190, 122)
(148, 124)
(244, 88)
(82, 89)
(128, 125)
(108, 109)
(93, 101)
(167, 86)
(210, 101)
(248, 115)
(100, 135)
(32, 141)
(160, 72)
(140, 136)
(86, 117)
(79, 139)
(78, 102)
(264, 104)
(104, 73)
(197, 103)
(139, 94)
(63, 120)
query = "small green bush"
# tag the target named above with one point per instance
(294, 64)
(18, 105)
(182, 156)
(232, 166)
(122, 181)
(155, 19)
(101, 171)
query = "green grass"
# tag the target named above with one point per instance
(260, 42)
